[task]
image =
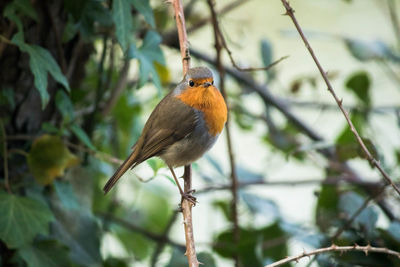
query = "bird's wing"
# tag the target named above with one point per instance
(171, 121)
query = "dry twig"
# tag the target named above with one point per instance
(366, 249)
(370, 158)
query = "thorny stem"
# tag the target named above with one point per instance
(366, 249)
(234, 181)
(187, 176)
(370, 158)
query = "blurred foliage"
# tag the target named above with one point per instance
(62, 63)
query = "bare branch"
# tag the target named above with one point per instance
(187, 176)
(366, 249)
(183, 41)
(370, 158)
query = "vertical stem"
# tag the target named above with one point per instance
(187, 176)
(183, 41)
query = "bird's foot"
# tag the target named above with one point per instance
(189, 197)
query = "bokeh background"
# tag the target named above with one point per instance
(79, 79)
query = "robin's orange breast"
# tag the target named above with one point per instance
(210, 102)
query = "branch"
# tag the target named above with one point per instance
(187, 176)
(118, 88)
(155, 237)
(330, 180)
(183, 41)
(366, 249)
(5, 157)
(234, 181)
(348, 223)
(370, 158)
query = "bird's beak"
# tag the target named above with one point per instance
(207, 84)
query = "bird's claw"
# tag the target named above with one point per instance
(189, 197)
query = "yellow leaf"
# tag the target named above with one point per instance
(163, 73)
(48, 158)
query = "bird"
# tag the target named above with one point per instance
(182, 127)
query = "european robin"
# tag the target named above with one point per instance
(183, 126)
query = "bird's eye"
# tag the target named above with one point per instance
(191, 83)
(212, 82)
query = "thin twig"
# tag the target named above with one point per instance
(333, 107)
(331, 180)
(366, 249)
(348, 223)
(183, 41)
(118, 89)
(150, 235)
(99, 155)
(160, 245)
(187, 176)
(225, 45)
(370, 158)
(5, 158)
(229, 7)
(234, 180)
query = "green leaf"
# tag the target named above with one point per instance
(26, 8)
(65, 106)
(81, 134)
(45, 253)
(48, 158)
(66, 195)
(155, 164)
(147, 54)
(326, 214)
(121, 12)
(134, 243)
(349, 203)
(80, 232)
(359, 83)
(144, 8)
(251, 247)
(41, 63)
(394, 230)
(21, 219)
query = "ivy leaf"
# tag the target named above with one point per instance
(147, 54)
(41, 62)
(121, 12)
(26, 8)
(65, 106)
(359, 83)
(48, 158)
(144, 8)
(21, 219)
(47, 253)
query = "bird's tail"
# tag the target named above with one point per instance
(130, 162)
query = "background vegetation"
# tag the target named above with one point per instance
(78, 80)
